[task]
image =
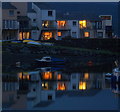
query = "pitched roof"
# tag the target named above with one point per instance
(31, 11)
(7, 5)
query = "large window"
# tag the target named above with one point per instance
(83, 24)
(86, 34)
(50, 13)
(100, 34)
(46, 35)
(61, 23)
(24, 35)
(106, 17)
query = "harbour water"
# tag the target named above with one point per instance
(52, 88)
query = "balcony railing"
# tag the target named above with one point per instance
(10, 24)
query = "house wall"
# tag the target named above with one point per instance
(21, 7)
(0, 20)
(44, 95)
(45, 15)
(6, 16)
(119, 19)
(74, 28)
(38, 19)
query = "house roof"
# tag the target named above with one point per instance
(31, 11)
(77, 16)
(7, 5)
(22, 18)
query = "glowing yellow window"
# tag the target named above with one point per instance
(59, 34)
(86, 76)
(61, 86)
(47, 75)
(20, 36)
(83, 24)
(47, 35)
(82, 85)
(86, 34)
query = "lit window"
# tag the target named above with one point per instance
(83, 24)
(61, 23)
(47, 75)
(86, 76)
(106, 17)
(45, 24)
(11, 13)
(82, 85)
(59, 76)
(20, 36)
(20, 75)
(86, 34)
(45, 86)
(61, 86)
(59, 34)
(47, 35)
(50, 13)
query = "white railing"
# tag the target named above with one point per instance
(10, 24)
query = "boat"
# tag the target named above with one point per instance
(115, 80)
(49, 61)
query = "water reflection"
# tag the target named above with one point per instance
(46, 88)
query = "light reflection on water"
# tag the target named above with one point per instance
(48, 89)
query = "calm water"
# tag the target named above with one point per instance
(55, 89)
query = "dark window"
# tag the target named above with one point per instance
(50, 13)
(74, 86)
(18, 12)
(100, 34)
(74, 23)
(11, 13)
(100, 25)
(34, 20)
(49, 97)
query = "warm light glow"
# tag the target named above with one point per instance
(86, 34)
(24, 35)
(47, 75)
(86, 75)
(28, 35)
(61, 23)
(28, 77)
(45, 86)
(59, 34)
(47, 35)
(20, 36)
(83, 24)
(82, 85)
(61, 86)
(59, 76)
(45, 24)
(20, 75)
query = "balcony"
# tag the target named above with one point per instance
(10, 24)
(49, 25)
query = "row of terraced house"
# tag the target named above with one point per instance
(40, 21)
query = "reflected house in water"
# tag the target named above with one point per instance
(41, 88)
